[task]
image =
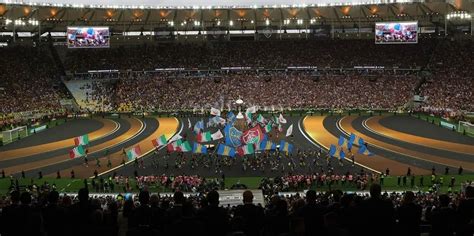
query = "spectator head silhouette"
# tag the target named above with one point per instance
(144, 197)
(15, 197)
(155, 200)
(178, 198)
(83, 195)
(311, 196)
(213, 198)
(470, 191)
(25, 198)
(248, 196)
(53, 197)
(375, 191)
(408, 197)
(444, 200)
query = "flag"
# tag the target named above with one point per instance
(267, 145)
(232, 136)
(176, 137)
(215, 112)
(189, 124)
(159, 141)
(280, 128)
(230, 117)
(352, 138)
(198, 126)
(332, 150)
(252, 136)
(286, 147)
(173, 146)
(215, 121)
(77, 152)
(361, 142)
(248, 117)
(341, 141)
(245, 150)
(217, 135)
(81, 140)
(199, 148)
(289, 131)
(364, 151)
(260, 119)
(204, 137)
(268, 127)
(184, 147)
(281, 120)
(251, 110)
(224, 150)
(134, 152)
(342, 155)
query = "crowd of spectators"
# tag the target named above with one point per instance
(309, 213)
(267, 54)
(449, 88)
(29, 81)
(270, 90)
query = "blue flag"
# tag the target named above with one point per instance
(231, 117)
(286, 147)
(332, 150)
(342, 155)
(232, 136)
(224, 150)
(361, 142)
(198, 126)
(341, 141)
(364, 151)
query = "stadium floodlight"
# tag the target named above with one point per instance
(299, 21)
(197, 23)
(8, 21)
(312, 21)
(252, 21)
(267, 21)
(218, 23)
(33, 22)
(19, 22)
(462, 15)
(231, 23)
(170, 23)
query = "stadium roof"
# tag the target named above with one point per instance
(55, 16)
(200, 4)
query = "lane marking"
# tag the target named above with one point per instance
(327, 149)
(143, 155)
(393, 151)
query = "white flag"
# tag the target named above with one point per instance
(215, 112)
(251, 110)
(174, 138)
(281, 119)
(217, 135)
(189, 124)
(289, 131)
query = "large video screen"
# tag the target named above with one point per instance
(396, 32)
(88, 37)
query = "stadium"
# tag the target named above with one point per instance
(264, 117)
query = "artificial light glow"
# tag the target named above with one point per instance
(267, 21)
(231, 23)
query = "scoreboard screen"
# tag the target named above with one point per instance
(396, 32)
(88, 37)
